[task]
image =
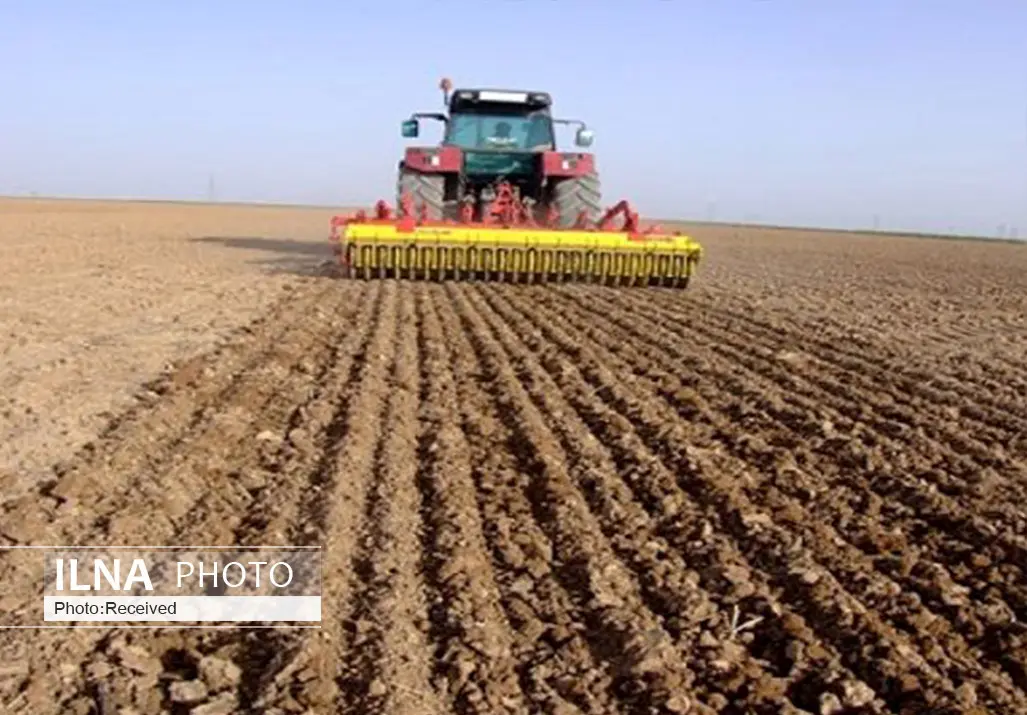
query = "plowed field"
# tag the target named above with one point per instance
(799, 486)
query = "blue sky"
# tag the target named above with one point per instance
(817, 112)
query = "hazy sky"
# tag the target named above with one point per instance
(825, 112)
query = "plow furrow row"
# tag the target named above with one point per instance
(958, 415)
(222, 476)
(648, 672)
(990, 407)
(784, 486)
(822, 411)
(557, 500)
(752, 530)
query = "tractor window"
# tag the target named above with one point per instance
(494, 131)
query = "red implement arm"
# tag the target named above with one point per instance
(506, 210)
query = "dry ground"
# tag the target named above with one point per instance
(799, 486)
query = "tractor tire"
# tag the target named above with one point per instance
(572, 196)
(427, 189)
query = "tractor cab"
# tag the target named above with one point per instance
(498, 120)
(494, 137)
(493, 120)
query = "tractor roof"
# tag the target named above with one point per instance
(502, 96)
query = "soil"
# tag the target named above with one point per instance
(798, 486)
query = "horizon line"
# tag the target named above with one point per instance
(354, 207)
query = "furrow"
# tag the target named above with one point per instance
(388, 663)
(230, 440)
(169, 408)
(649, 672)
(270, 460)
(893, 397)
(889, 407)
(290, 466)
(336, 506)
(831, 436)
(475, 669)
(555, 665)
(142, 442)
(896, 670)
(291, 461)
(132, 470)
(782, 639)
(784, 489)
(894, 467)
(977, 555)
(961, 399)
(699, 622)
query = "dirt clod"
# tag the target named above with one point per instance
(830, 704)
(218, 673)
(187, 692)
(138, 660)
(223, 704)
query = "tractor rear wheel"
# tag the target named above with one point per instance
(573, 195)
(426, 189)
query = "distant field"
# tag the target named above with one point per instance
(799, 485)
(673, 222)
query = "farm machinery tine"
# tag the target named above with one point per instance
(510, 244)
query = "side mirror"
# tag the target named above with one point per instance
(410, 129)
(584, 137)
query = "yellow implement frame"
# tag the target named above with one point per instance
(517, 254)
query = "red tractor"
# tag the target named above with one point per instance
(493, 139)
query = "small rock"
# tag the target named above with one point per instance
(830, 704)
(708, 640)
(301, 440)
(147, 699)
(268, 436)
(377, 688)
(857, 694)
(306, 675)
(138, 660)
(187, 692)
(218, 673)
(99, 670)
(980, 561)
(757, 519)
(251, 479)
(954, 595)
(522, 586)
(732, 652)
(795, 651)
(809, 576)
(717, 702)
(224, 704)
(679, 704)
(736, 574)
(720, 665)
(22, 522)
(966, 695)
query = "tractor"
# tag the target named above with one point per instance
(495, 137)
(496, 200)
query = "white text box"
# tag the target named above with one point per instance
(182, 608)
